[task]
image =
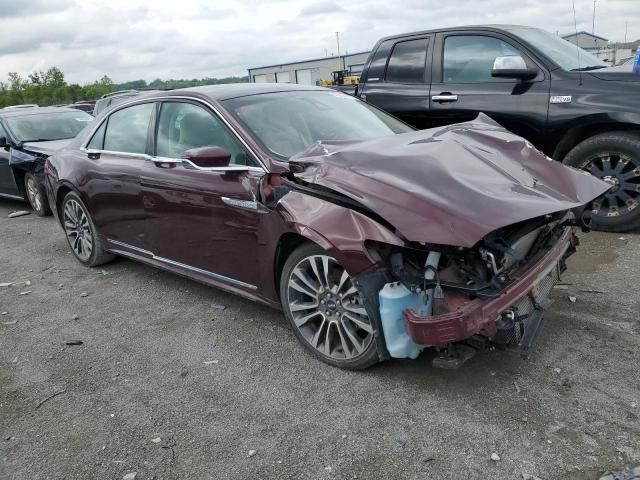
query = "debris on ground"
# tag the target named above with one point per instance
(217, 306)
(561, 287)
(6, 284)
(4, 313)
(631, 474)
(515, 384)
(252, 453)
(84, 294)
(73, 342)
(527, 476)
(495, 457)
(19, 213)
(594, 291)
(210, 362)
(104, 272)
(75, 317)
(130, 476)
(556, 370)
(156, 440)
(572, 299)
(26, 292)
(53, 395)
(13, 322)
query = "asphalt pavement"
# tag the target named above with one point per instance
(176, 380)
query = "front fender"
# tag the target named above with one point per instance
(337, 229)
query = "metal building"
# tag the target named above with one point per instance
(308, 72)
(586, 40)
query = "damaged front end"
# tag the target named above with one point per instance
(459, 300)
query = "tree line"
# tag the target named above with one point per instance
(50, 88)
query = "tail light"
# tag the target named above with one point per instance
(46, 167)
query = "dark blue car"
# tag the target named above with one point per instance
(27, 137)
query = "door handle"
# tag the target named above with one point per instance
(445, 97)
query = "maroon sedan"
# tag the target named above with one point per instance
(376, 240)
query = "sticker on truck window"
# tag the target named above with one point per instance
(560, 99)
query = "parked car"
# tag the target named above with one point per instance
(25, 105)
(27, 137)
(309, 200)
(113, 98)
(86, 106)
(531, 82)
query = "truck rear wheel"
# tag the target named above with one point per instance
(615, 158)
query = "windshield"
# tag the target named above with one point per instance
(565, 54)
(286, 123)
(42, 127)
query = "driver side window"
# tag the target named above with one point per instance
(184, 126)
(469, 58)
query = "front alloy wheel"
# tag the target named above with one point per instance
(327, 310)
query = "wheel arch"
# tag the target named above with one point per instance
(576, 134)
(338, 230)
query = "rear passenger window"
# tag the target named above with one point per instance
(407, 62)
(127, 129)
(98, 138)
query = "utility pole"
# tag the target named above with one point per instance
(626, 26)
(340, 63)
(593, 22)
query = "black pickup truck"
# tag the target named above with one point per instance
(562, 99)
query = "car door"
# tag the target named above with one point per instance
(202, 220)
(8, 186)
(398, 79)
(116, 156)
(462, 85)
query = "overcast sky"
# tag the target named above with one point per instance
(136, 39)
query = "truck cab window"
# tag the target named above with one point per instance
(407, 62)
(469, 58)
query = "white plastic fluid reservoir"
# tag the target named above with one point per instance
(394, 298)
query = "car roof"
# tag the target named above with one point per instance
(226, 91)
(23, 112)
(487, 27)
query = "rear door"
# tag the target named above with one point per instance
(398, 78)
(117, 152)
(8, 184)
(462, 85)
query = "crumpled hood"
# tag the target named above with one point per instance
(46, 148)
(451, 185)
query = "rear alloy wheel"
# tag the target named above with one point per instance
(326, 309)
(81, 233)
(614, 158)
(36, 195)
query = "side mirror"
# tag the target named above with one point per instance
(208, 157)
(512, 66)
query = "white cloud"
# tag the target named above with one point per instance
(136, 39)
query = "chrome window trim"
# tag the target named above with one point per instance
(120, 106)
(180, 161)
(215, 276)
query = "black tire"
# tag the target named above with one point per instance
(615, 157)
(337, 320)
(36, 195)
(78, 228)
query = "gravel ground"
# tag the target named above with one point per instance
(168, 385)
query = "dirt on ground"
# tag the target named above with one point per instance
(175, 380)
